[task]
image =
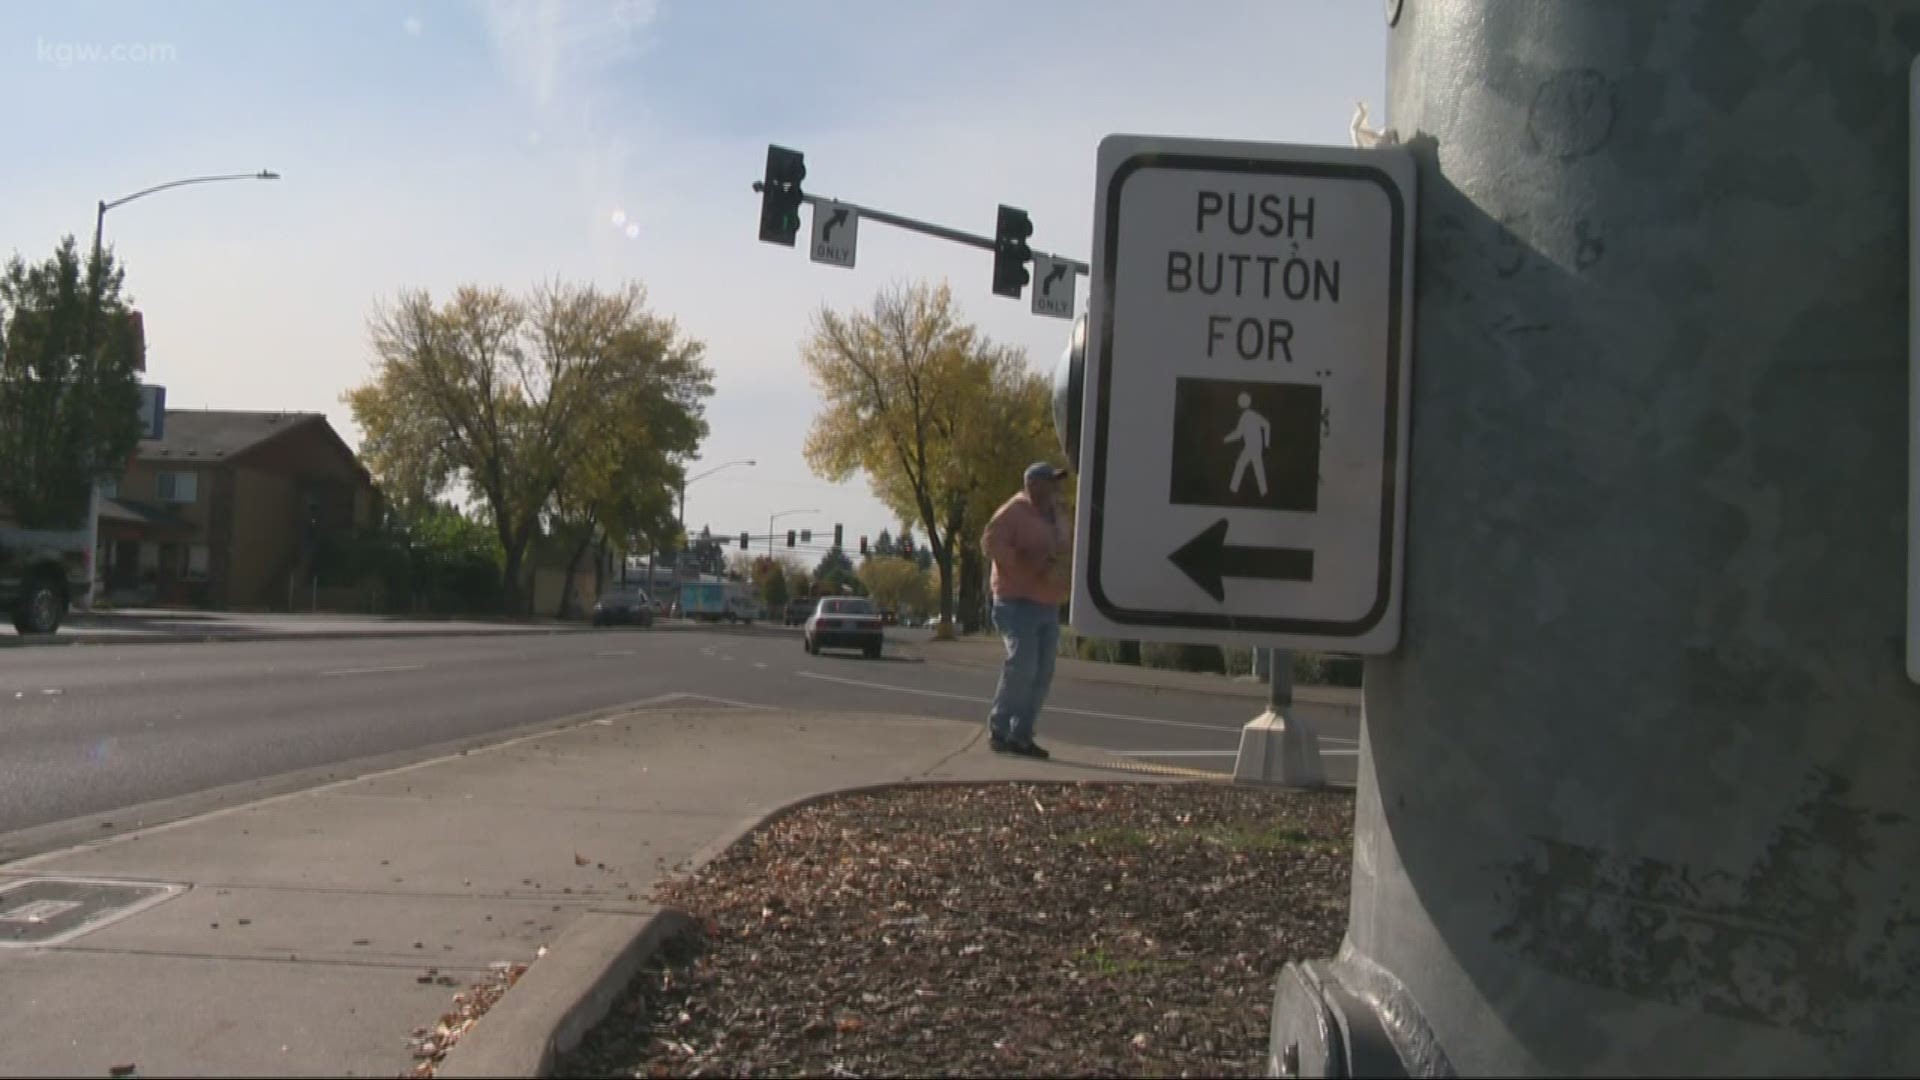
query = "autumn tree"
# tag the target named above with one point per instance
(897, 583)
(529, 403)
(69, 385)
(909, 394)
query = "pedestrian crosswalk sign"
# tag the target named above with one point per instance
(1243, 457)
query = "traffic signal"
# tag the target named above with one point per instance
(863, 547)
(806, 536)
(745, 540)
(1010, 252)
(838, 538)
(780, 195)
(789, 537)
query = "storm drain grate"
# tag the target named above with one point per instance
(37, 912)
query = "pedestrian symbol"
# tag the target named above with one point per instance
(1252, 445)
(1253, 434)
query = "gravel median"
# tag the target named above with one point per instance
(999, 929)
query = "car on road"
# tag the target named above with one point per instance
(623, 605)
(799, 611)
(845, 622)
(42, 571)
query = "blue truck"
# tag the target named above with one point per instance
(718, 601)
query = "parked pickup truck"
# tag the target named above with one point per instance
(42, 571)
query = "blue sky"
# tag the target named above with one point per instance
(426, 145)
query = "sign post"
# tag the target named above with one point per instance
(1247, 379)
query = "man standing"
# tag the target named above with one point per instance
(1030, 544)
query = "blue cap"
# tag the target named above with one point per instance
(1041, 470)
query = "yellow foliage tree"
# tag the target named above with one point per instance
(574, 404)
(897, 583)
(939, 417)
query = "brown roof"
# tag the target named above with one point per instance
(218, 434)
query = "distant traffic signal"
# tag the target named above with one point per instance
(780, 195)
(838, 538)
(745, 540)
(789, 537)
(1010, 252)
(863, 547)
(806, 536)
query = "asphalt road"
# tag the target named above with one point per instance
(90, 729)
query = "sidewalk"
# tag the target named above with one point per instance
(312, 932)
(986, 651)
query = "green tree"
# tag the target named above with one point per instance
(835, 572)
(69, 391)
(519, 400)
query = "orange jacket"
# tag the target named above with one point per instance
(1029, 548)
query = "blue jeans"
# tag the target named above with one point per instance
(1032, 634)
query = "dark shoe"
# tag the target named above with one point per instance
(1028, 749)
(997, 744)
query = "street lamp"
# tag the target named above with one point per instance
(771, 518)
(100, 214)
(654, 559)
(697, 476)
(95, 284)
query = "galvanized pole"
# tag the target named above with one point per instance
(1640, 792)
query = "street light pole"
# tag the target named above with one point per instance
(89, 333)
(771, 518)
(682, 516)
(697, 476)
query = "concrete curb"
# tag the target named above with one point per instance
(574, 985)
(562, 996)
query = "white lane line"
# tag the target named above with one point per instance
(760, 665)
(374, 670)
(988, 701)
(723, 701)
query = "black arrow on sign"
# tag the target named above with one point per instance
(826, 231)
(1059, 271)
(1208, 558)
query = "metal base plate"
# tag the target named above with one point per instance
(38, 912)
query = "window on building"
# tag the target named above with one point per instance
(110, 488)
(178, 487)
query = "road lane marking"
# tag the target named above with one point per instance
(988, 701)
(760, 665)
(373, 670)
(617, 652)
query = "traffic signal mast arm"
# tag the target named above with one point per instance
(928, 228)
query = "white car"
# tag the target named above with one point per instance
(845, 622)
